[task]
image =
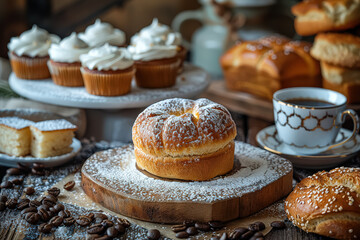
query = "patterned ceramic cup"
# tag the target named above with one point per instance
(308, 129)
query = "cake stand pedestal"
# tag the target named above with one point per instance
(111, 118)
(258, 179)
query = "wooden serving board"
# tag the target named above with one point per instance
(259, 178)
(245, 103)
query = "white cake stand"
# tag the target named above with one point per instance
(191, 83)
(111, 118)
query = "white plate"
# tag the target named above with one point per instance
(267, 138)
(189, 84)
(11, 161)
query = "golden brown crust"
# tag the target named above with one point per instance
(327, 203)
(338, 49)
(264, 66)
(195, 168)
(314, 16)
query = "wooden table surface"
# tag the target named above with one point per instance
(13, 227)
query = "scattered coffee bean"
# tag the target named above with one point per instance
(17, 181)
(189, 223)
(14, 171)
(107, 223)
(256, 238)
(153, 234)
(182, 234)
(223, 236)
(69, 221)
(192, 231)
(257, 226)
(112, 232)
(104, 237)
(83, 221)
(38, 172)
(54, 191)
(90, 215)
(23, 203)
(29, 209)
(44, 215)
(100, 215)
(24, 168)
(7, 184)
(258, 234)
(96, 229)
(44, 206)
(11, 203)
(216, 224)
(120, 228)
(38, 166)
(29, 191)
(202, 226)
(178, 228)
(3, 198)
(125, 223)
(92, 236)
(2, 206)
(278, 225)
(58, 207)
(69, 185)
(56, 221)
(45, 228)
(34, 203)
(235, 235)
(64, 213)
(242, 230)
(32, 217)
(247, 235)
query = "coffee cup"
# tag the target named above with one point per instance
(308, 119)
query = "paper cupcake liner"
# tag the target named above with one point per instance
(157, 75)
(67, 75)
(182, 55)
(107, 84)
(29, 68)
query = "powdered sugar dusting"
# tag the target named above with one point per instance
(116, 168)
(53, 125)
(15, 122)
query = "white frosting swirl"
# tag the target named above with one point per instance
(34, 42)
(100, 33)
(68, 50)
(156, 41)
(107, 58)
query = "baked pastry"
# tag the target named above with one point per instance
(327, 203)
(28, 53)
(51, 138)
(158, 55)
(264, 66)
(185, 139)
(107, 71)
(337, 49)
(343, 80)
(15, 137)
(315, 16)
(100, 33)
(64, 63)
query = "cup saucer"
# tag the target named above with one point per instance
(268, 139)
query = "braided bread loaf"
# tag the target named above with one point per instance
(264, 66)
(185, 139)
(327, 203)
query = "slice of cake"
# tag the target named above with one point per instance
(15, 136)
(51, 138)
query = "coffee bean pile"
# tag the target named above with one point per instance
(49, 214)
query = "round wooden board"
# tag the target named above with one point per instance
(259, 178)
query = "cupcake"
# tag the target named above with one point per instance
(64, 63)
(157, 54)
(107, 71)
(28, 53)
(100, 33)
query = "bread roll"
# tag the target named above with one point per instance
(337, 49)
(315, 16)
(264, 66)
(185, 139)
(327, 203)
